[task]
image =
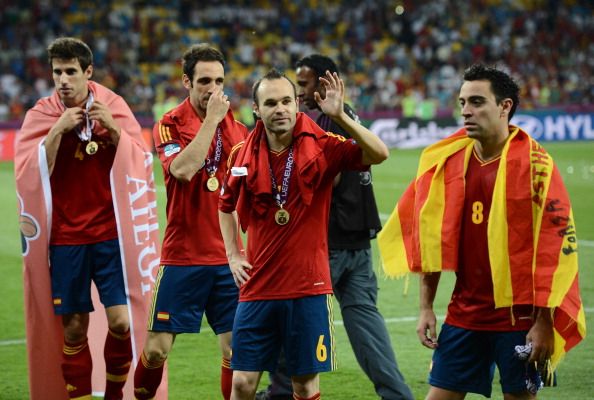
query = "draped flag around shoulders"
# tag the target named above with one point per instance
(135, 207)
(531, 232)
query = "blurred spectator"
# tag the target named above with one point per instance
(387, 47)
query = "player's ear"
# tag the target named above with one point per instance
(506, 106)
(89, 71)
(256, 110)
(186, 81)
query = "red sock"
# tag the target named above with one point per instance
(77, 366)
(118, 354)
(147, 378)
(226, 378)
(316, 396)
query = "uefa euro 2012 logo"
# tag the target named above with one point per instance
(28, 226)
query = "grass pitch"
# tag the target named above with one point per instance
(194, 364)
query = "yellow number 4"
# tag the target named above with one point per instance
(321, 351)
(477, 212)
(78, 153)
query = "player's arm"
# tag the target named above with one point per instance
(190, 159)
(237, 261)
(541, 336)
(374, 150)
(70, 119)
(426, 328)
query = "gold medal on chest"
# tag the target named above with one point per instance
(212, 183)
(282, 216)
(92, 147)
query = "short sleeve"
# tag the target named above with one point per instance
(343, 154)
(227, 198)
(167, 143)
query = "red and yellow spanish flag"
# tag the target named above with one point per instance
(531, 230)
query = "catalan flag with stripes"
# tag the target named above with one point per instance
(531, 230)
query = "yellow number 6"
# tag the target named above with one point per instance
(321, 351)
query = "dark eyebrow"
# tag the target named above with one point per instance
(67, 70)
(277, 100)
(473, 98)
(209, 78)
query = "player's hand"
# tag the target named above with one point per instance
(102, 114)
(426, 329)
(240, 270)
(333, 104)
(542, 338)
(218, 105)
(70, 119)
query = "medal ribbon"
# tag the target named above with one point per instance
(210, 165)
(85, 131)
(281, 198)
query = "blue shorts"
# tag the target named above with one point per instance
(72, 268)
(302, 327)
(465, 361)
(182, 294)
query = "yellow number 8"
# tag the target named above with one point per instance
(321, 351)
(477, 212)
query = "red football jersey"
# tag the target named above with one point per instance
(82, 206)
(291, 261)
(192, 235)
(472, 305)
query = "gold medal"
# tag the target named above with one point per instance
(92, 147)
(282, 217)
(212, 183)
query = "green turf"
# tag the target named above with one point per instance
(194, 364)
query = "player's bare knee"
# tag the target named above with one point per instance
(75, 336)
(226, 350)
(75, 327)
(155, 354)
(226, 353)
(117, 318)
(243, 384)
(158, 345)
(225, 344)
(119, 325)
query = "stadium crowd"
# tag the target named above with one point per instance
(399, 56)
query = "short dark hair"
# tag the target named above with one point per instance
(502, 85)
(200, 52)
(318, 63)
(67, 48)
(271, 75)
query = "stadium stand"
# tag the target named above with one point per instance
(398, 55)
